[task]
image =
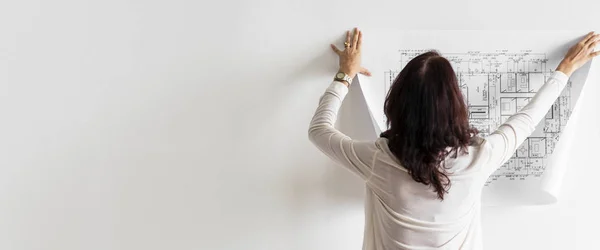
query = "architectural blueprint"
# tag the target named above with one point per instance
(497, 81)
(495, 86)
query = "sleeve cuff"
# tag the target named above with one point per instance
(560, 76)
(338, 88)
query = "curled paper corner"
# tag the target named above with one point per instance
(356, 119)
(363, 81)
(551, 182)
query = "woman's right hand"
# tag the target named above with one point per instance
(580, 54)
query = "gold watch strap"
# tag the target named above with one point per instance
(346, 78)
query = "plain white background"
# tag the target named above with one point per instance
(183, 124)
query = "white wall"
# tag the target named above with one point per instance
(182, 124)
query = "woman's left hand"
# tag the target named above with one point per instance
(350, 57)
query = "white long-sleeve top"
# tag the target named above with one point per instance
(401, 213)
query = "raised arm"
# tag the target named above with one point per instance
(353, 155)
(507, 138)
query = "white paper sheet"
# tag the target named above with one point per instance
(499, 71)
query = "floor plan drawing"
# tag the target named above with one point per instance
(495, 86)
(498, 72)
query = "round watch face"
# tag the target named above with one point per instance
(340, 75)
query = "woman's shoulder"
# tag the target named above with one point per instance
(382, 143)
(476, 141)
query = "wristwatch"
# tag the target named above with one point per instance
(341, 76)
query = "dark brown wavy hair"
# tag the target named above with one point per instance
(427, 119)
